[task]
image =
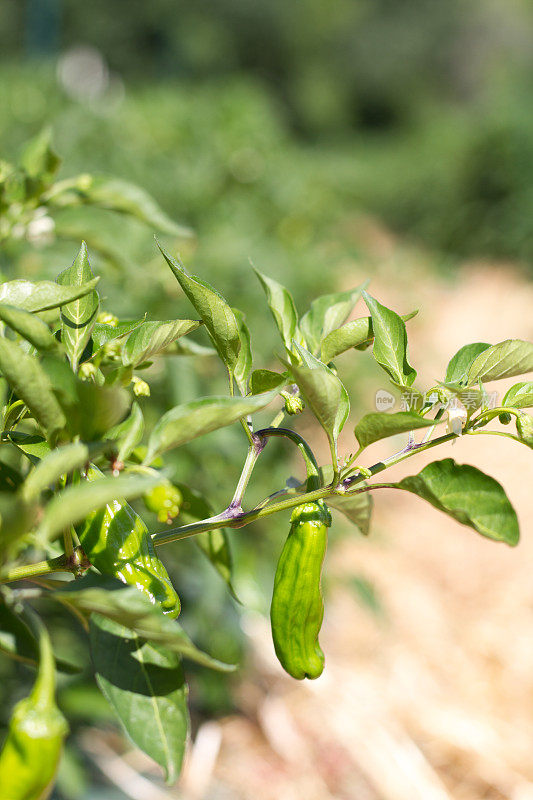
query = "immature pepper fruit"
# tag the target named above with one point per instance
(297, 606)
(31, 753)
(117, 542)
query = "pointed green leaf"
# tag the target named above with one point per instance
(150, 338)
(76, 502)
(145, 685)
(30, 327)
(33, 446)
(326, 314)
(127, 198)
(215, 313)
(78, 317)
(519, 396)
(283, 309)
(42, 296)
(357, 334)
(18, 641)
(38, 159)
(243, 367)
(126, 605)
(457, 369)
(129, 433)
(323, 392)
(379, 425)
(503, 360)
(467, 495)
(264, 380)
(103, 332)
(390, 342)
(190, 420)
(29, 382)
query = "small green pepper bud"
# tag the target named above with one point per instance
(112, 349)
(106, 318)
(293, 403)
(87, 371)
(140, 387)
(165, 501)
(505, 418)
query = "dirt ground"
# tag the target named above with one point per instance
(433, 698)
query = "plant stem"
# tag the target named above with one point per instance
(60, 564)
(261, 511)
(67, 542)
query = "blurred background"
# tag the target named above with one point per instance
(327, 142)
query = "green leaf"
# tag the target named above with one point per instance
(214, 544)
(31, 384)
(467, 495)
(326, 314)
(78, 317)
(503, 360)
(38, 159)
(243, 367)
(323, 392)
(265, 380)
(390, 342)
(358, 334)
(145, 685)
(60, 461)
(42, 296)
(519, 396)
(373, 427)
(283, 309)
(74, 503)
(150, 338)
(30, 327)
(126, 605)
(127, 198)
(215, 313)
(18, 641)
(16, 520)
(190, 420)
(357, 508)
(90, 410)
(33, 446)
(129, 433)
(457, 369)
(103, 333)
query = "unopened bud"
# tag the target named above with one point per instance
(106, 318)
(140, 387)
(293, 403)
(87, 371)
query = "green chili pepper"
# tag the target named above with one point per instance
(117, 542)
(297, 606)
(31, 753)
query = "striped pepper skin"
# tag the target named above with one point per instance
(297, 607)
(117, 542)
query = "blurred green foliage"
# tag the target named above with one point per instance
(267, 127)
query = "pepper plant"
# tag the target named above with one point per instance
(74, 452)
